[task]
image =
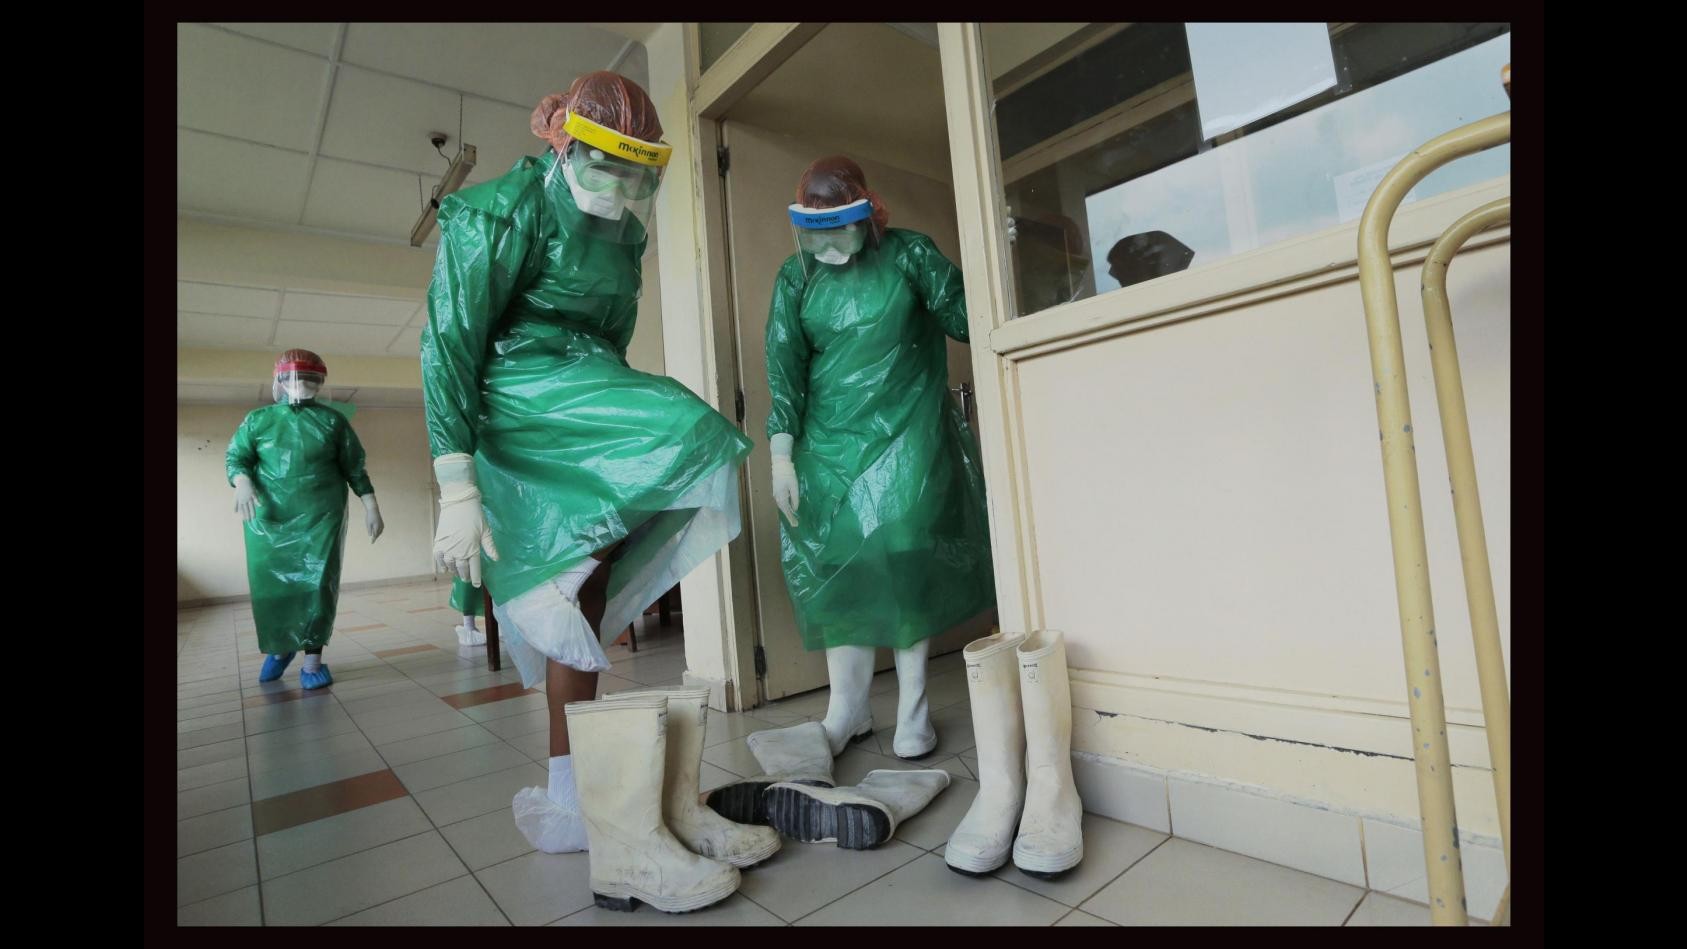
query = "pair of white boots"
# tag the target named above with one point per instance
(795, 793)
(636, 759)
(1027, 803)
(849, 672)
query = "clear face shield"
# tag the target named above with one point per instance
(830, 237)
(293, 385)
(612, 178)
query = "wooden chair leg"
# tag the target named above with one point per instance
(494, 661)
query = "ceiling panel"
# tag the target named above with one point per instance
(384, 120)
(243, 85)
(204, 329)
(235, 85)
(408, 343)
(315, 38)
(336, 308)
(330, 339)
(517, 63)
(238, 178)
(348, 197)
(230, 301)
(500, 135)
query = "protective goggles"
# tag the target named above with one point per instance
(831, 235)
(607, 160)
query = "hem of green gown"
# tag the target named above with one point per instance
(282, 644)
(501, 588)
(664, 547)
(891, 639)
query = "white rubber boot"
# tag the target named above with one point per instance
(849, 670)
(983, 840)
(799, 754)
(858, 818)
(915, 738)
(700, 829)
(1051, 837)
(620, 752)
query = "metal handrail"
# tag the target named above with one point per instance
(1426, 702)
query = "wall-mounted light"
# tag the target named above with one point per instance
(455, 175)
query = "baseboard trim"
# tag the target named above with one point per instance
(1383, 852)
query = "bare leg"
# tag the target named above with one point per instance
(564, 685)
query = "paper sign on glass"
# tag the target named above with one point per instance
(1247, 71)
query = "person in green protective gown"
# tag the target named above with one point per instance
(885, 538)
(290, 464)
(591, 487)
(468, 603)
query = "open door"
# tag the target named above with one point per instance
(825, 100)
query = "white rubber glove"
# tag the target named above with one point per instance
(372, 517)
(245, 498)
(462, 533)
(784, 477)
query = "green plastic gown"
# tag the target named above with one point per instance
(893, 540)
(524, 366)
(300, 458)
(466, 600)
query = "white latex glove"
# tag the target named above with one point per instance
(462, 532)
(784, 477)
(245, 498)
(372, 517)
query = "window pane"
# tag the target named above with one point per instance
(1110, 183)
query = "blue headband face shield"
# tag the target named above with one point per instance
(830, 237)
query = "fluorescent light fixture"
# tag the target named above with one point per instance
(454, 178)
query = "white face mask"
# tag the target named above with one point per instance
(609, 205)
(833, 256)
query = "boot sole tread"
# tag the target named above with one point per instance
(853, 826)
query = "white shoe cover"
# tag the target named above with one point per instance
(547, 825)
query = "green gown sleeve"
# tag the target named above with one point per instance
(351, 457)
(242, 457)
(485, 255)
(937, 283)
(787, 354)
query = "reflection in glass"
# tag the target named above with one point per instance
(1102, 148)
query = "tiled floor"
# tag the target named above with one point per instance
(385, 800)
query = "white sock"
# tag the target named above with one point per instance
(561, 788)
(570, 581)
(313, 662)
(468, 621)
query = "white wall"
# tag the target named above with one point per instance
(210, 546)
(1229, 566)
(644, 353)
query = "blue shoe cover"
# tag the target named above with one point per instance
(274, 666)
